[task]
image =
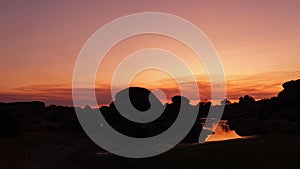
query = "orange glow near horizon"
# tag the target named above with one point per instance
(257, 44)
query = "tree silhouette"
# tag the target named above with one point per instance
(246, 99)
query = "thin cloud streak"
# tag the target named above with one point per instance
(264, 85)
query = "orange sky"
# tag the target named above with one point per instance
(257, 42)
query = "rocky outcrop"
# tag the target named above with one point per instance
(278, 114)
(291, 91)
(139, 98)
(24, 109)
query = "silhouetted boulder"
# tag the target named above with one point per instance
(180, 99)
(225, 102)
(246, 99)
(291, 91)
(24, 109)
(139, 99)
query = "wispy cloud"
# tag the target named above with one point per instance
(263, 85)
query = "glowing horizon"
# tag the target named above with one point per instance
(257, 43)
(61, 94)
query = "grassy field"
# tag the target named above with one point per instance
(73, 151)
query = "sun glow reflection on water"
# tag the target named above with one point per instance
(222, 131)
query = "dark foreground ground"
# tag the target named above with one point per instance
(54, 150)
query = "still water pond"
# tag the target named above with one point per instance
(222, 130)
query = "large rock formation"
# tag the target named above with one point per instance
(291, 91)
(139, 98)
(24, 109)
(278, 114)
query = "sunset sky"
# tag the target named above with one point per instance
(257, 41)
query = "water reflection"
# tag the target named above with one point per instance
(222, 130)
